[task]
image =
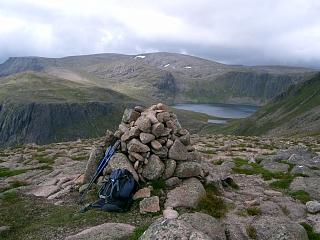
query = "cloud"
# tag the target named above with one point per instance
(231, 31)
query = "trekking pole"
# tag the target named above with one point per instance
(103, 163)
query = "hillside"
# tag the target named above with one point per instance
(295, 112)
(167, 77)
(41, 108)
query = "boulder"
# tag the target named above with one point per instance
(170, 214)
(95, 156)
(170, 166)
(313, 206)
(157, 129)
(172, 182)
(146, 137)
(185, 139)
(162, 152)
(178, 151)
(277, 228)
(131, 133)
(106, 231)
(186, 195)
(130, 115)
(275, 167)
(142, 193)
(149, 205)
(205, 224)
(163, 116)
(156, 145)
(144, 124)
(172, 229)
(188, 169)
(136, 146)
(119, 160)
(154, 168)
(308, 184)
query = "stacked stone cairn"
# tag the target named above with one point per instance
(156, 144)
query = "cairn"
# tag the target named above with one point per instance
(155, 143)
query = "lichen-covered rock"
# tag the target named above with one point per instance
(186, 195)
(146, 137)
(130, 115)
(154, 168)
(156, 145)
(131, 133)
(119, 160)
(277, 228)
(170, 166)
(157, 129)
(188, 169)
(136, 146)
(178, 151)
(144, 124)
(149, 205)
(95, 156)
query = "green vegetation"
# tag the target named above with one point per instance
(45, 159)
(157, 186)
(80, 158)
(7, 172)
(282, 184)
(208, 151)
(14, 184)
(138, 232)
(312, 235)
(28, 217)
(251, 231)
(212, 203)
(253, 211)
(301, 195)
(218, 162)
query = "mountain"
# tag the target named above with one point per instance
(37, 107)
(167, 77)
(294, 112)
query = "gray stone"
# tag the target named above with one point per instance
(186, 195)
(144, 124)
(170, 166)
(168, 229)
(185, 139)
(154, 168)
(149, 205)
(131, 133)
(178, 151)
(136, 146)
(162, 152)
(146, 137)
(139, 109)
(4, 229)
(95, 156)
(188, 169)
(170, 214)
(275, 167)
(130, 115)
(106, 231)
(313, 206)
(142, 193)
(205, 224)
(163, 117)
(172, 182)
(157, 129)
(308, 184)
(156, 145)
(119, 160)
(277, 228)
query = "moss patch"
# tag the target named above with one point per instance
(312, 235)
(138, 232)
(7, 172)
(301, 195)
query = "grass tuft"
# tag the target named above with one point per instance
(138, 232)
(251, 231)
(254, 211)
(7, 172)
(301, 195)
(312, 235)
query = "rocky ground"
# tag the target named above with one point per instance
(257, 188)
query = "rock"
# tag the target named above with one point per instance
(194, 156)
(172, 229)
(170, 166)
(131, 133)
(136, 146)
(178, 151)
(83, 187)
(162, 106)
(205, 224)
(136, 156)
(277, 228)
(95, 156)
(144, 124)
(130, 115)
(106, 231)
(186, 195)
(275, 167)
(314, 221)
(272, 193)
(308, 184)
(4, 229)
(154, 168)
(139, 109)
(313, 206)
(185, 139)
(149, 205)
(146, 137)
(163, 117)
(188, 169)
(162, 153)
(170, 214)
(156, 145)
(157, 129)
(169, 143)
(142, 193)
(119, 160)
(170, 124)
(44, 191)
(108, 138)
(301, 169)
(172, 182)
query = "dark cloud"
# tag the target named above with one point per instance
(277, 32)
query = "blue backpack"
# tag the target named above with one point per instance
(115, 194)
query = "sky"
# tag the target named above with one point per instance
(247, 32)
